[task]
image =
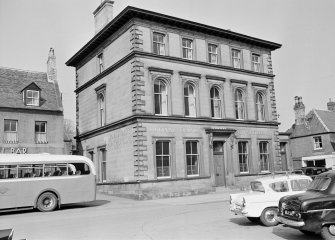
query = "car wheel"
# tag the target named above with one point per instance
(47, 202)
(308, 233)
(253, 219)
(328, 232)
(268, 216)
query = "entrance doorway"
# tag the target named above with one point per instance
(219, 166)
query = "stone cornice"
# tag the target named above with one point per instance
(172, 119)
(259, 85)
(31, 111)
(161, 70)
(189, 74)
(215, 78)
(239, 81)
(133, 54)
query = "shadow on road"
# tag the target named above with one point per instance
(293, 234)
(243, 221)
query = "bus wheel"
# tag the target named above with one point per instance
(47, 202)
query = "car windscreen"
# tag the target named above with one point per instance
(319, 184)
(257, 186)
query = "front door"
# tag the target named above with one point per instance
(219, 167)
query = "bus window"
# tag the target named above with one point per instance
(80, 168)
(55, 169)
(25, 171)
(8, 171)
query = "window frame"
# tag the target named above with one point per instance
(190, 83)
(246, 153)
(37, 133)
(262, 154)
(260, 107)
(35, 100)
(102, 163)
(209, 53)
(166, 107)
(170, 155)
(317, 144)
(191, 49)
(212, 100)
(13, 134)
(163, 43)
(240, 104)
(198, 157)
(253, 62)
(101, 97)
(233, 50)
(101, 67)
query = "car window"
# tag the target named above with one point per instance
(281, 186)
(319, 184)
(257, 187)
(300, 184)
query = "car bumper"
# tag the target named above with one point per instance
(290, 223)
(238, 210)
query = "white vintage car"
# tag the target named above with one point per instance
(261, 203)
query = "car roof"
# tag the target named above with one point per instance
(278, 177)
(330, 174)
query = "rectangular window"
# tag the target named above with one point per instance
(187, 46)
(317, 143)
(192, 158)
(213, 53)
(41, 132)
(163, 159)
(103, 165)
(264, 156)
(100, 63)
(236, 58)
(10, 131)
(158, 43)
(8, 171)
(243, 157)
(256, 62)
(32, 98)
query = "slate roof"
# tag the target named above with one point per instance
(328, 118)
(13, 81)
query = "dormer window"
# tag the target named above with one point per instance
(32, 98)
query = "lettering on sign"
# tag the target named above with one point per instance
(14, 150)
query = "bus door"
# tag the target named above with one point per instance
(9, 186)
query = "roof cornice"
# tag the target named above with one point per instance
(131, 12)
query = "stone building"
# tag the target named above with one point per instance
(166, 106)
(31, 112)
(312, 136)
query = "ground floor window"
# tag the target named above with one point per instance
(243, 157)
(103, 165)
(163, 159)
(192, 158)
(264, 156)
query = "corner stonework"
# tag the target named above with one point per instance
(140, 152)
(136, 40)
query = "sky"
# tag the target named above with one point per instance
(304, 65)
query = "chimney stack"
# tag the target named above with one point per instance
(331, 105)
(299, 109)
(51, 66)
(103, 15)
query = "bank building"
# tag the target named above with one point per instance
(168, 107)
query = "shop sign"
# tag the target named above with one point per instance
(15, 150)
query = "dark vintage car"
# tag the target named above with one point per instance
(314, 210)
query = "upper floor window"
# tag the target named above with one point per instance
(163, 159)
(101, 109)
(159, 43)
(212, 53)
(189, 100)
(10, 131)
(215, 102)
(243, 157)
(100, 63)
(256, 62)
(264, 156)
(239, 104)
(236, 58)
(41, 132)
(161, 97)
(187, 46)
(32, 98)
(192, 158)
(317, 142)
(260, 107)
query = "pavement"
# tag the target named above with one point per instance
(221, 194)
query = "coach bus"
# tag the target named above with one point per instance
(45, 181)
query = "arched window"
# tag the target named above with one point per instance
(260, 107)
(189, 100)
(239, 104)
(215, 102)
(101, 106)
(161, 97)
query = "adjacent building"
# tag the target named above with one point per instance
(31, 112)
(167, 106)
(312, 137)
